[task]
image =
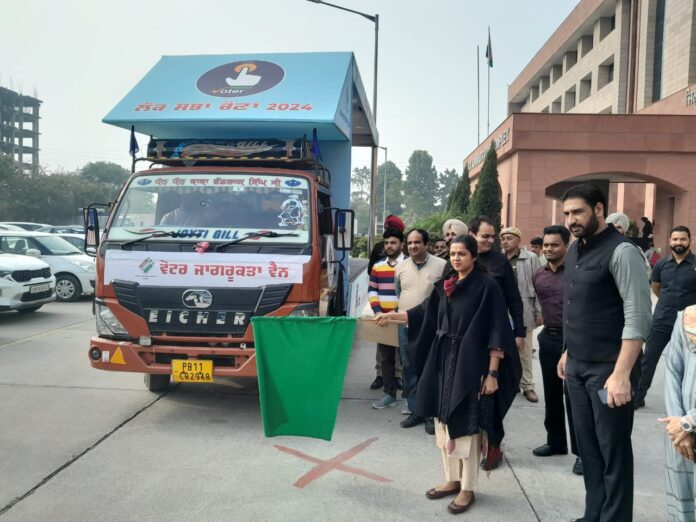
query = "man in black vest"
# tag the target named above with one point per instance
(606, 319)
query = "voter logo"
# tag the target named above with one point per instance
(146, 265)
(240, 78)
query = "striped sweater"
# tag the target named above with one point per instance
(382, 293)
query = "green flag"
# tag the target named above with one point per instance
(301, 363)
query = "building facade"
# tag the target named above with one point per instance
(611, 98)
(19, 128)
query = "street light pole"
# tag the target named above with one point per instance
(384, 198)
(373, 169)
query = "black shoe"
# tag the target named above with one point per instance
(377, 383)
(546, 451)
(577, 467)
(399, 383)
(411, 421)
(429, 426)
(638, 402)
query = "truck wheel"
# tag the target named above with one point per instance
(156, 382)
(29, 310)
(68, 288)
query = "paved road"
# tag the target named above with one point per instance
(80, 444)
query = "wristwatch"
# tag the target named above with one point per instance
(686, 424)
(494, 374)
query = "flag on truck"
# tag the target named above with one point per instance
(301, 363)
(133, 149)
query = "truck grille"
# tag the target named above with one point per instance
(22, 276)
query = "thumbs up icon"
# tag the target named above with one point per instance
(244, 79)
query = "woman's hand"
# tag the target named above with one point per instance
(685, 448)
(673, 427)
(490, 385)
(381, 319)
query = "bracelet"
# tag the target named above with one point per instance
(493, 373)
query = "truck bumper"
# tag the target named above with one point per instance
(125, 356)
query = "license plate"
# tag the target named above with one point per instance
(39, 288)
(192, 371)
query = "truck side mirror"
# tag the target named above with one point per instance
(91, 217)
(344, 229)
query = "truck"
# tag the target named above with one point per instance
(242, 211)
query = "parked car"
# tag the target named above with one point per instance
(25, 225)
(74, 271)
(10, 227)
(26, 283)
(76, 240)
(62, 229)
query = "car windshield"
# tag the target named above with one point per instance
(213, 207)
(57, 245)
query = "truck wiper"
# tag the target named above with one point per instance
(250, 235)
(160, 233)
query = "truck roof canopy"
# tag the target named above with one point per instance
(283, 95)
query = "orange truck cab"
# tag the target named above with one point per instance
(233, 218)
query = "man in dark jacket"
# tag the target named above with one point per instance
(500, 268)
(606, 319)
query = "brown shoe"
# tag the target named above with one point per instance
(531, 396)
(456, 509)
(434, 493)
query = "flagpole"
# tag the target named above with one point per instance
(478, 97)
(488, 116)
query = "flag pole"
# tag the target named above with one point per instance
(478, 98)
(488, 116)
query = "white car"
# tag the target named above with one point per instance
(75, 272)
(26, 283)
(76, 240)
(25, 225)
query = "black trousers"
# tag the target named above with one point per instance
(388, 355)
(550, 351)
(660, 335)
(604, 441)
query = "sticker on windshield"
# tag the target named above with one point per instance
(291, 212)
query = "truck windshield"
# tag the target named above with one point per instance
(213, 207)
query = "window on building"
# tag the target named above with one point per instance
(585, 88)
(556, 105)
(545, 109)
(569, 99)
(657, 53)
(605, 73)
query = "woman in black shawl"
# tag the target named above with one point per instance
(464, 350)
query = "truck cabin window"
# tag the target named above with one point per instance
(214, 207)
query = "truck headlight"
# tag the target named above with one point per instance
(107, 323)
(306, 310)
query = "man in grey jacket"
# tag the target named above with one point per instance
(524, 264)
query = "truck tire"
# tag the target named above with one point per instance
(29, 310)
(68, 288)
(156, 382)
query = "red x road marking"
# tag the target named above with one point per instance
(324, 466)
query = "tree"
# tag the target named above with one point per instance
(458, 203)
(394, 188)
(486, 199)
(104, 172)
(420, 186)
(447, 182)
(360, 183)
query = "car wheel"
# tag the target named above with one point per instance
(68, 288)
(156, 382)
(29, 310)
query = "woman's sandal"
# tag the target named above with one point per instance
(434, 493)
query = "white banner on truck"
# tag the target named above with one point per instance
(207, 270)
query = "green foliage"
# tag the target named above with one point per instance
(486, 199)
(458, 204)
(432, 223)
(394, 188)
(447, 181)
(360, 184)
(359, 247)
(104, 172)
(420, 186)
(47, 198)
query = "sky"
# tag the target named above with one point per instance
(81, 58)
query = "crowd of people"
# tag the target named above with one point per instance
(466, 313)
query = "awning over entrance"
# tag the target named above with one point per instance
(283, 95)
